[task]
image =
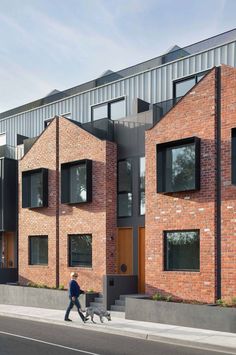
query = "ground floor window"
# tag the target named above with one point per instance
(38, 252)
(80, 250)
(182, 252)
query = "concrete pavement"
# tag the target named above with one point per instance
(198, 338)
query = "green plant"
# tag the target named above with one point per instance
(89, 290)
(221, 302)
(157, 297)
(61, 287)
(169, 298)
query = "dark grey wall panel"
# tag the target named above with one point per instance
(8, 194)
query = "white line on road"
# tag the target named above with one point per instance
(48, 343)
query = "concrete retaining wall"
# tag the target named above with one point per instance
(39, 297)
(187, 315)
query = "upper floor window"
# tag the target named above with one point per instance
(181, 87)
(76, 181)
(80, 250)
(3, 139)
(35, 188)
(181, 250)
(124, 188)
(178, 165)
(142, 186)
(113, 110)
(38, 250)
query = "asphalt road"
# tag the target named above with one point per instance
(25, 337)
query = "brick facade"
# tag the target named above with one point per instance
(228, 191)
(195, 115)
(59, 144)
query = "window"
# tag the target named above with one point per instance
(35, 188)
(3, 139)
(178, 165)
(112, 110)
(38, 252)
(181, 87)
(124, 188)
(76, 182)
(233, 156)
(80, 250)
(142, 186)
(181, 250)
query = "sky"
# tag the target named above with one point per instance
(57, 44)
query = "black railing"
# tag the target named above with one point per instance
(103, 128)
(161, 108)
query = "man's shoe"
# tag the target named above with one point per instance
(86, 319)
(67, 320)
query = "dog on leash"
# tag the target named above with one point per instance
(91, 311)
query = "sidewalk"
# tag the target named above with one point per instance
(199, 338)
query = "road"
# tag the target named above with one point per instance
(26, 337)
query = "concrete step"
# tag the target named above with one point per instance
(116, 314)
(120, 303)
(98, 299)
(138, 295)
(96, 304)
(118, 308)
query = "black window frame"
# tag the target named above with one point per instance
(233, 156)
(65, 181)
(30, 237)
(125, 192)
(69, 250)
(108, 103)
(194, 76)
(26, 187)
(142, 189)
(161, 163)
(165, 246)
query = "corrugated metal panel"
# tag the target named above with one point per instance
(153, 86)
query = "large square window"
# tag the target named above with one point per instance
(113, 110)
(178, 165)
(182, 86)
(80, 250)
(38, 252)
(76, 182)
(35, 188)
(124, 188)
(182, 250)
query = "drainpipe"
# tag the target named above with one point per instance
(57, 203)
(218, 180)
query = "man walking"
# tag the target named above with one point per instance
(74, 292)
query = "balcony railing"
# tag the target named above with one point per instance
(8, 151)
(161, 108)
(103, 128)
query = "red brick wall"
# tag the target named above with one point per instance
(39, 221)
(228, 191)
(97, 218)
(194, 115)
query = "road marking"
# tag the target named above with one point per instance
(48, 343)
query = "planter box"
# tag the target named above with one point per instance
(186, 315)
(40, 297)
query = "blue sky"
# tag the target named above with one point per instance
(57, 44)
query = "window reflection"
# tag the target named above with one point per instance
(78, 177)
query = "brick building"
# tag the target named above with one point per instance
(128, 179)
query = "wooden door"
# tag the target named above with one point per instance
(141, 260)
(125, 251)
